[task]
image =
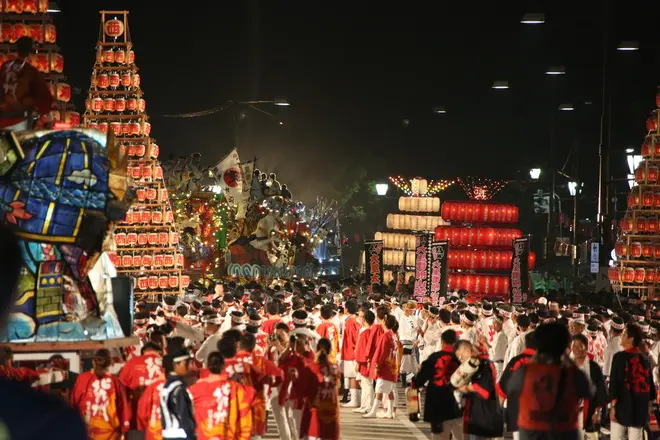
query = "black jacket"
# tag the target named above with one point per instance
(632, 387)
(176, 408)
(512, 399)
(599, 398)
(440, 404)
(482, 412)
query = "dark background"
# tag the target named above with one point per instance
(354, 71)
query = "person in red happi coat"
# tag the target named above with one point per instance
(140, 372)
(102, 400)
(364, 344)
(327, 329)
(148, 411)
(320, 379)
(385, 369)
(291, 391)
(269, 375)
(352, 329)
(222, 406)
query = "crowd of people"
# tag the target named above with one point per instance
(213, 364)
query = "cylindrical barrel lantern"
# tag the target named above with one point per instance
(477, 236)
(479, 212)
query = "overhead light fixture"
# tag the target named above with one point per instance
(382, 188)
(53, 8)
(533, 18)
(573, 188)
(566, 107)
(439, 109)
(500, 85)
(281, 102)
(556, 70)
(633, 162)
(535, 173)
(630, 150)
(628, 46)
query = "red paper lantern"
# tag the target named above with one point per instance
(6, 31)
(652, 174)
(114, 28)
(647, 250)
(102, 81)
(649, 276)
(647, 199)
(621, 249)
(103, 126)
(142, 105)
(43, 6)
(108, 56)
(628, 274)
(131, 57)
(479, 212)
(120, 104)
(109, 104)
(30, 6)
(652, 224)
(19, 30)
(50, 33)
(126, 79)
(63, 92)
(116, 128)
(640, 174)
(640, 275)
(56, 62)
(97, 104)
(114, 80)
(641, 224)
(652, 122)
(120, 56)
(154, 151)
(634, 199)
(656, 199)
(14, 6)
(131, 104)
(614, 274)
(36, 33)
(626, 224)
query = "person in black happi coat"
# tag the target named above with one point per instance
(482, 414)
(440, 407)
(631, 388)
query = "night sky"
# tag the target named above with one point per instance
(354, 72)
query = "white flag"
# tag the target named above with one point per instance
(229, 175)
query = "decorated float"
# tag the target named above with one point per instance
(638, 245)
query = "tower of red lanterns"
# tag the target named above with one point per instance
(146, 240)
(638, 246)
(480, 240)
(31, 18)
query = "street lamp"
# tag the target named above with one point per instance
(533, 18)
(556, 70)
(566, 107)
(382, 188)
(633, 162)
(630, 150)
(281, 102)
(535, 173)
(53, 7)
(440, 110)
(573, 188)
(500, 85)
(631, 181)
(628, 46)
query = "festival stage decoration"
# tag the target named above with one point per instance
(479, 188)
(31, 19)
(477, 249)
(637, 263)
(146, 239)
(62, 199)
(419, 214)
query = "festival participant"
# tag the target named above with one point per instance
(24, 89)
(431, 333)
(591, 407)
(549, 388)
(101, 399)
(631, 388)
(485, 325)
(508, 322)
(278, 344)
(222, 406)
(253, 326)
(142, 371)
(350, 336)
(176, 408)
(517, 346)
(9, 372)
(148, 411)
(384, 369)
(437, 371)
(327, 329)
(291, 393)
(468, 321)
(268, 374)
(512, 400)
(363, 360)
(408, 331)
(320, 380)
(597, 344)
(273, 311)
(497, 348)
(212, 330)
(482, 414)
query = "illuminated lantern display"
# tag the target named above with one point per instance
(471, 212)
(419, 214)
(30, 18)
(146, 239)
(638, 245)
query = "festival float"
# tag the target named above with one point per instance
(419, 211)
(30, 18)
(146, 240)
(638, 245)
(483, 242)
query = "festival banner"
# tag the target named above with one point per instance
(438, 279)
(519, 278)
(373, 261)
(422, 266)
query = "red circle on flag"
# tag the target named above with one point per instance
(232, 177)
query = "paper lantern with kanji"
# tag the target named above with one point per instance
(476, 212)
(14, 6)
(56, 62)
(652, 122)
(19, 30)
(50, 33)
(30, 6)
(63, 92)
(114, 28)
(6, 32)
(37, 33)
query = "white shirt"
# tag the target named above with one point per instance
(497, 352)
(613, 347)
(509, 329)
(516, 347)
(399, 314)
(208, 347)
(408, 326)
(485, 327)
(470, 334)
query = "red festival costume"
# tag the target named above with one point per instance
(384, 365)
(329, 331)
(320, 417)
(148, 411)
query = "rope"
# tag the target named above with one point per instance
(199, 113)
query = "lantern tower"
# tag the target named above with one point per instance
(30, 18)
(638, 245)
(419, 211)
(480, 240)
(146, 240)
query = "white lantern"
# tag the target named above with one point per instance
(379, 236)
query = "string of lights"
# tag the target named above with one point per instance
(481, 188)
(420, 187)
